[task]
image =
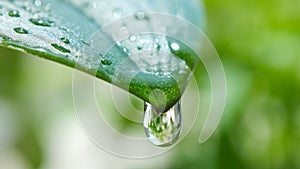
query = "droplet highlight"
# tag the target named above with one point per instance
(14, 13)
(162, 128)
(20, 30)
(175, 46)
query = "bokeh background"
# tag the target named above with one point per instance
(258, 42)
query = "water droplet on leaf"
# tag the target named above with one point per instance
(106, 62)
(60, 48)
(41, 22)
(175, 46)
(38, 3)
(140, 15)
(162, 128)
(65, 40)
(132, 38)
(14, 13)
(117, 13)
(20, 30)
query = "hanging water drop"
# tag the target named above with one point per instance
(162, 128)
(14, 13)
(20, 30)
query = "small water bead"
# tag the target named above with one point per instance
(65, 40)
(125, 30)
(139, 48)
(14, 13)
(20, 30)
(42, 22)
(38, 3)
(117, 12)
(162, 128)
(106, 62)
(140, 15)
(125, 50)
(175, 46)
(119, 43)
(132, 38)
(61, 48)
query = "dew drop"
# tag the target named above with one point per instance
(117, 12)
(20, 30)
(60, 48)
(140, 15)
(106, 62)
(162, 129)
(38, 3)
(41, 22)
(14, 13)
(175, 46)
(132, 38)
(65, 40)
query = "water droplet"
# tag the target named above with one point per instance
(20, 30)
(119, 43)
(162, 129)
(132, 38)
(14, 13)
(125, 50)
(106, 62)
(175, 46)
(125, 30)
(139, 48)
(60, 48)
(140, 15)
(157, 46)
(38, 3)
(65, 40)
(86, 43)
(41, 22)
(117, 12)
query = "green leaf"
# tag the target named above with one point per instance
(61, 31)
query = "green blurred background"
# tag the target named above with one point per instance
(258, 42)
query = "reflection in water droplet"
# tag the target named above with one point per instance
(20, 30)
(14, 13)
(117, 13)
(175, 46)
(162, 129)
(41, 22)
(60, 48)
(65, 40)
